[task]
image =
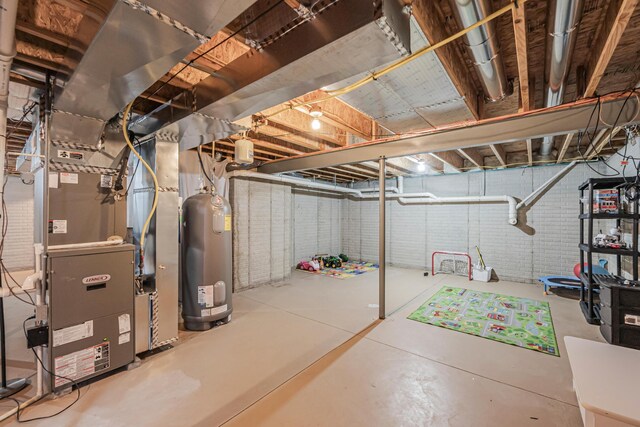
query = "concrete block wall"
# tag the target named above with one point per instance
(317, 219)
(544, 242)
(261, 232)
(18, 244)
(276, 225)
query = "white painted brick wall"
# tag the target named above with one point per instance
(318, 224)
(274, 224)
(261, 232)
(545, 241)
(18, 244)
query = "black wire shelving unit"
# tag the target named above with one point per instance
(589, 281)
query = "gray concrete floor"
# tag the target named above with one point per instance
(310, 352)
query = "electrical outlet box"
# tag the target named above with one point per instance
(37, 336)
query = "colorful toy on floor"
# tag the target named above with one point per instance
(343, 257)
(569, 282)
(507, 319)
(332, 262)
(595, 269)
(348, 270)
(308, 265)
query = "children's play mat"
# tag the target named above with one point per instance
(517, 321)
(348, 270)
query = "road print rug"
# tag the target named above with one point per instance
(511, 320)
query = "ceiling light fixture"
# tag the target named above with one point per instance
(422, 167)
(316, 113)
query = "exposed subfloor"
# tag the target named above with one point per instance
(310, 352)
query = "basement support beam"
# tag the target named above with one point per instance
(498, 151)
(530, 152)
(559, 120)
(382, 312)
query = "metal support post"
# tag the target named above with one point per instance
(381, 239)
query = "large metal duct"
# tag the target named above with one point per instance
(345, 38)
(562, 26)
(133, 48)
(483, 46)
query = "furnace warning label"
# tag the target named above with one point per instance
(80, 364)
(205, 296)
(227, 223)
(58, 226)
(68, 178)
(72, 333)
(73, 155)
(106, 181)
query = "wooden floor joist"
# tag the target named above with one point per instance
(451, 158)
(472, 155)
(520, 33)
(501, 155)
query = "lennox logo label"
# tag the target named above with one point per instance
(98, 278)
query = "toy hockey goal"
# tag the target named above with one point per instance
(445, 262)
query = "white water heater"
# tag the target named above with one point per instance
(244, 152)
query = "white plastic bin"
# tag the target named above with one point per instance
(482, 274)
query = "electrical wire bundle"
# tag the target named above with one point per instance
(630, 187)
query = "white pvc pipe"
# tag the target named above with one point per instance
(404, 198)
(113, 242)
(8, 14)
(39, 370)
(513, 209)
(375, 190)
(546, 184)
(295, 181)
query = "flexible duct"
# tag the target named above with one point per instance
(562, 27)
(483, 46)
(8, 14)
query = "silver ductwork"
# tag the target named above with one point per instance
(562, 26)
(337, 43)
(483, 46)
(134, 47)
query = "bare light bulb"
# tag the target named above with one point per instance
(315, 124)
(422, 167)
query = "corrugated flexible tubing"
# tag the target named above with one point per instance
(145, 227)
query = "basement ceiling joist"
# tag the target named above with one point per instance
(553, 121)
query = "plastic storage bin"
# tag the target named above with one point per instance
(482, 274)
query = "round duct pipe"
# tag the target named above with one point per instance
(483, 46)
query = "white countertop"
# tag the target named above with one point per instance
(606, 378)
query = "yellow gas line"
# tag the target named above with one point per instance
(145, 227)
(377, 74)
